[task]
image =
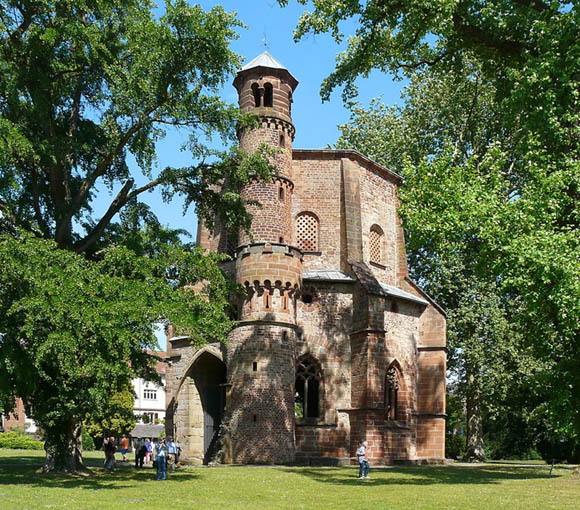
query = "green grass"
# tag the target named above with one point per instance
(431, 487)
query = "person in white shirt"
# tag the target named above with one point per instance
(364, 465)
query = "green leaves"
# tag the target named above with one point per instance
(85, 85)
(74, 331)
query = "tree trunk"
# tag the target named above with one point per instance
(474, 451)
(64, 449)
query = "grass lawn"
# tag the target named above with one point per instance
(486, 486)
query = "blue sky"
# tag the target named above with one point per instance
(310, 61)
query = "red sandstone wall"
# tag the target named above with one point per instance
(271, 221)
(281, 89)
(317, 190)
(260, 403)
(378, 208)
(324, 333)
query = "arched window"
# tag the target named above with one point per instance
(307, 231)
(268, 95)
(376, 242)
(308, 387)
(256, 94)
(391, 393)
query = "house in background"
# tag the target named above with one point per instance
(149, 404)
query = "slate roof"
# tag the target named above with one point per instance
(327, 276)
(372, 285)
(401, 294)
(147, 430)
(266, 61)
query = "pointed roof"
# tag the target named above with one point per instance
(266, 61)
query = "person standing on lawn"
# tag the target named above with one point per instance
(161, 459)
(172, 451)
(140, 452)
(110, 450)
(124, 447)
(149, 448)
(363, 462)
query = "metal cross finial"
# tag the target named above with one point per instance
(265, 41)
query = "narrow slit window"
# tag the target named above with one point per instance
(255, 366)
(282, 141)
(281, 193)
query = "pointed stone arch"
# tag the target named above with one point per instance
(199, 404)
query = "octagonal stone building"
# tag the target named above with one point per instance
(334, 342)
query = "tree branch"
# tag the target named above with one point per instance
(106, 161)
(116, 205)
(479, 36)
(36, 204)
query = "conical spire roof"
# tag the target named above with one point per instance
(266, 61)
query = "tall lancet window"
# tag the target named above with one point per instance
(256, 94)
(268, 95)
(391, 393)
(376, 245)
(308, 387)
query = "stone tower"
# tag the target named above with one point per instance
(261, 348)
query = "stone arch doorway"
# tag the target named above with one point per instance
(206, 395)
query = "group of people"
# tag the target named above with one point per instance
(163, 453)
(166, 453)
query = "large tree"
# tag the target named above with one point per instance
(75, 331)
(450, 118)
(86, 84)
(86, 87)
(522, 199)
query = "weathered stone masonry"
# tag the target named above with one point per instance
(334, 343)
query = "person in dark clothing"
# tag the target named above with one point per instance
(110, 450)
(140, 456)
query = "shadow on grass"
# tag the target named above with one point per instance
(425, 475)
(122, 478)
